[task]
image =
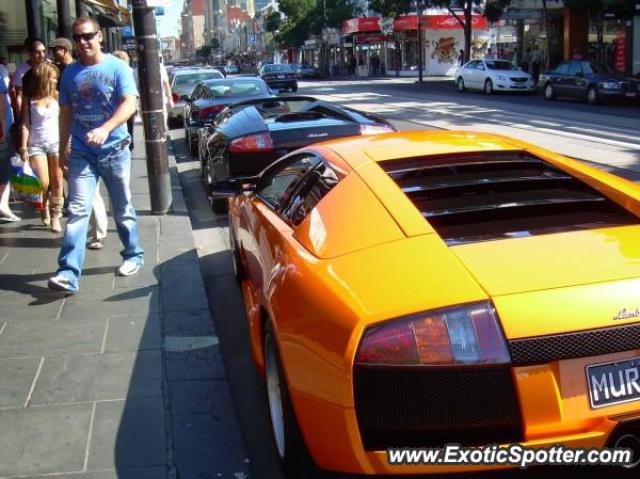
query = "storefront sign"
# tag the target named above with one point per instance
(621, 51)
(371, 38)
(435, 22)
(364, 24)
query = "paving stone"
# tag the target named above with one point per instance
(17, 376)
(122, 302)
(133, 333)
(147, 276)
(29, 448)
(189, 323)
(159, 472)
(47, 338)
(128, 434)
(98, 377)
(211, 397)
(205, 363)
(180, 273)
(29, 304)
(190, 297)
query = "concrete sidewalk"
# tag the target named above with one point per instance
(125, 379)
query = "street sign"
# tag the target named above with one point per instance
(159, 11)
(252, 39)
(127, 31)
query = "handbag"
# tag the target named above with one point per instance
(24, 183)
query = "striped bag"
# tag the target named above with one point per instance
(25, 184)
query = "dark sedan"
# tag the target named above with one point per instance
(249, 136)
(589, 81)
(211, 97)
(279, 76)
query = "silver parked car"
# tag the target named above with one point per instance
(183, 81)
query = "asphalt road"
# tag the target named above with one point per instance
(408, 106)
(608, 135)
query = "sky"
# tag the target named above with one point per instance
(168, 24)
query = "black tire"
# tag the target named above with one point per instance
(193, 147)
(592, 97)
(460, 84)
(294, 88)
(549, 91)
(219, 205)
(291, 448)
(488, 87)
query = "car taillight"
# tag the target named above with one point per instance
(467, 334)
(251, 143)
(210, 110)
(374, 129)
(175, 97)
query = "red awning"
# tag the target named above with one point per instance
(362, 24)
(435, 22)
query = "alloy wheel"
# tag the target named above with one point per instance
(461, 84)
(274, 395)
(548, 92)
(488, 87)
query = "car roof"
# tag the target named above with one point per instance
(186, 71)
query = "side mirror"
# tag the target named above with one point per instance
(186, 98)
(233, 186)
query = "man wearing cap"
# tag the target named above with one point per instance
(62, 50)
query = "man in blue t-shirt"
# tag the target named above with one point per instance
(97, 96)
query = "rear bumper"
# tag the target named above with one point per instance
(508, 86)
(277, 84)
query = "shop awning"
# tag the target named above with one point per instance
(125, 15)
(107, 5)
(361, 25)
(435, 22)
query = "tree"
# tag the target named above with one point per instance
(272, 21)
(215, 43)
(203, 52)
(493, 9)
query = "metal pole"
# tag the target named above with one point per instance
(419, 42)
(81, 9)
(152, 108)
(34, 20)
(64, 18)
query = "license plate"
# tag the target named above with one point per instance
(614, 383)
(630, 95)
(280, 77)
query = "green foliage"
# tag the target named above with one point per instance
(203, 52)
(272, 21)
(391, 8)
(215, 43)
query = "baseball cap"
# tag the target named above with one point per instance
(62, 42)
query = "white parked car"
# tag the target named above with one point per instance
(493, 75)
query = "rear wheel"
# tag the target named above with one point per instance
(488, 86)
(233, 246)
(289, 443)
(461, 86)
(592, 96)
(549, 92)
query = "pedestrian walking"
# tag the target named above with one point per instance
(536, 63)
(37, 51)
(97, 97)
(6, 148)
(461, 57)
(40, 139)
(526, 58)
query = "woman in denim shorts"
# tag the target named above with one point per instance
(40, 139)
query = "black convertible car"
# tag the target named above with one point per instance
(588, 81)
(249, 136)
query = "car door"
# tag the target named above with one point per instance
(480, 74)
(466, 71)
(559, 79)
(188, 106)
(574, 82)
(262, 225)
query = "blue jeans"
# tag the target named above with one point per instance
(84, 170)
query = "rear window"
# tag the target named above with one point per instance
(191, 79)
(500, 65)
(487, 196)
(237, 88)
(277, 68)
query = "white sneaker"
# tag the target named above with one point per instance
(62, 283)
(8, 217)
(129, 267)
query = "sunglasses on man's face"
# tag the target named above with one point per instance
(87, 37)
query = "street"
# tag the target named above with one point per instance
(605, 135)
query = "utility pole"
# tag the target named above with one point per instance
(152, 108)
(420, 59)
(64, 18)
(34, 22)
(81, 9)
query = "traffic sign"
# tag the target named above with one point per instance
(252, 39)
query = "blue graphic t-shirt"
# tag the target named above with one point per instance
(94, 93)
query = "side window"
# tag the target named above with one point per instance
(562, 69)
(277, 185)
(473, 65)
(310, 191)
(196, 93)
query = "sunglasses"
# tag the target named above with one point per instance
(87, 37)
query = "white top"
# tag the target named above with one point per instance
(44, 123)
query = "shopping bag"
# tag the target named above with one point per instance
(24, 183)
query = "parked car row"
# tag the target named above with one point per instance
(572, 79)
